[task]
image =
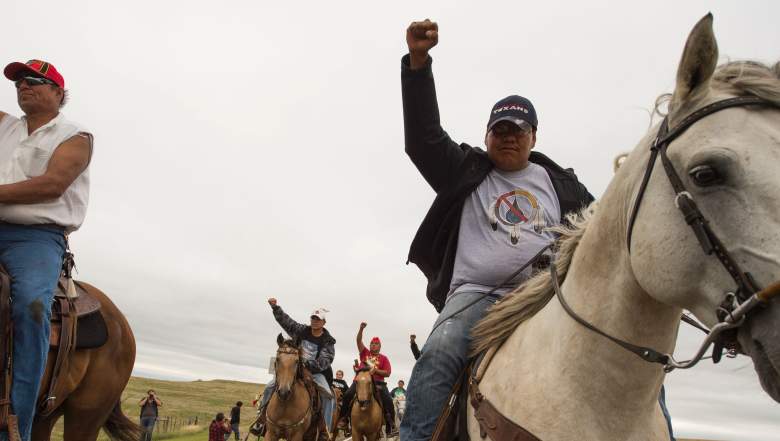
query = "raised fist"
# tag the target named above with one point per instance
(363, 325)
(421, 36)
(272, 301)
(412, 337)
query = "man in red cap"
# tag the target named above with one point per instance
(379, 366)
(44, 190)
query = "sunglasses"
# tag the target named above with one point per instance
(34, 81)
(507, 127)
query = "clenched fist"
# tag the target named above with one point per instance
(272, 301)
(421, 36)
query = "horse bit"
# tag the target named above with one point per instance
(733, 311)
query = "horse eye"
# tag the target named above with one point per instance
(705, 176)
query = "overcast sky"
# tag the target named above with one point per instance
(249, 149)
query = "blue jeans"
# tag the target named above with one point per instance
(32, 255)
(442, 359)
(147, 424)
(326, 398)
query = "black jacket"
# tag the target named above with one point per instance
(325, 352)
(454, 171)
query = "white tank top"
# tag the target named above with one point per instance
(23, 157)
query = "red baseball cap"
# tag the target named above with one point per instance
(36, 67)
(376, 340)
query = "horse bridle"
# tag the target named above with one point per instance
(374, 391)
(299, 365)
(737, 304)
(289, 351)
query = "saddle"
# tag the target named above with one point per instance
(76, 323)
(453, 422)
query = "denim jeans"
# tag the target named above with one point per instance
(234, 429)
(326, 396)
(442, 359)
(147, 424)
(32, 255)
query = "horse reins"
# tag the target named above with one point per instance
(505, 284)
(736, 305)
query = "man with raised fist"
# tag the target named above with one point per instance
(489, 218)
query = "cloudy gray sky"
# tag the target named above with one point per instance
(248, 149)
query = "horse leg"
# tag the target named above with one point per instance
(42, 427)
(81, 430)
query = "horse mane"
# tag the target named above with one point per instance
(530, 297)
(363, 369)
(740, 78)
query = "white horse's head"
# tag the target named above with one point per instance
(728, 162)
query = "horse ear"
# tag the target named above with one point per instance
(699, 59)
(296, 341)
(279, 339)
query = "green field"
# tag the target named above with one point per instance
(186, 400)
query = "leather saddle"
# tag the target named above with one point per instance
(91, 331)
(76, 323)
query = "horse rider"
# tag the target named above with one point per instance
(380, 369)
(399, 390)
(413, 346)
(339, 383)
(318, 350)
(489, 218)
(44, 191)
(495, 208)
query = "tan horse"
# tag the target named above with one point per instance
(366, 412)
(93, 384)
(289, 412)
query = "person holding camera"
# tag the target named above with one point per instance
(149, 405)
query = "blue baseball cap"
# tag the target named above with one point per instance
(513, 108)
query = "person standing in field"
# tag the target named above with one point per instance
(149, 412)
(235, 419)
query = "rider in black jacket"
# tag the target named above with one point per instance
(462, 177)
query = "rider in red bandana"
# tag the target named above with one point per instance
(380, 369)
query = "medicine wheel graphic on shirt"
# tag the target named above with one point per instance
(514, 209)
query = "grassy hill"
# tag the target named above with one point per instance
(187, 399)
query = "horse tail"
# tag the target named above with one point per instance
(120, 428)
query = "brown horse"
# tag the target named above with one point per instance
(334, 430)
(93, 384)
(367, 419)
(289, 412)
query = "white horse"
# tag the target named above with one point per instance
(569, 382)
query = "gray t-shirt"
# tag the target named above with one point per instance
(503, 226)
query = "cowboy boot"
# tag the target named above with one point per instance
(389, 426)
